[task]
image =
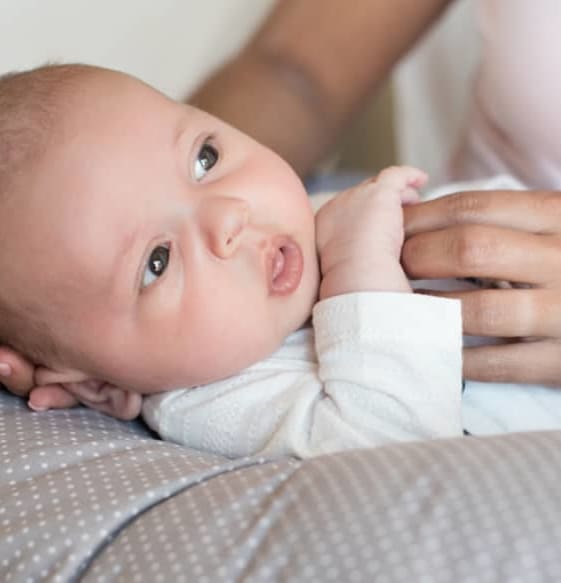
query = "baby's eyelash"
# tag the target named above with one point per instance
(156, 265)
(206, 159)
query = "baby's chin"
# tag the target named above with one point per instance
(252, 352)
(221, 368)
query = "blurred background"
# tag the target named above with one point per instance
(174, 44)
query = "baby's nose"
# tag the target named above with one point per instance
(224, 221)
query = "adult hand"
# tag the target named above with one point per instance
(509, 235)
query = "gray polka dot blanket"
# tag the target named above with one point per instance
(85, 497)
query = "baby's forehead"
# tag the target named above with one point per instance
(80, 197)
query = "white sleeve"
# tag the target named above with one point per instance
(389, 368)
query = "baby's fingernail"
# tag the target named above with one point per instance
(5, 369)
(35, 407)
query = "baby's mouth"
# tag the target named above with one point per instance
(287, 266)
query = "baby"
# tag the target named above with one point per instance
(150, 249)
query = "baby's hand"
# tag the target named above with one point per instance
(51, 393)
(17, 375)
(359, 234)
(16, 372)
(21, 377)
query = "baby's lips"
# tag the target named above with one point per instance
(286, 266)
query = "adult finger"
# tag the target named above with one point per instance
(16, 373)
(536, 211)
(509, 313)
(483, 251)
(537, 362)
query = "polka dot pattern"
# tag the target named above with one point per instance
(70, 480)
(84, 496)
(460, 510)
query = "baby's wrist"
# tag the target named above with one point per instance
(387, 275)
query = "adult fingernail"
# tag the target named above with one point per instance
(5, 369)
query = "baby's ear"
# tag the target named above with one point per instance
(93, 393)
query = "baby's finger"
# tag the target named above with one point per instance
(16, 373)
(409, 195)
(402, 177)
(50, 397)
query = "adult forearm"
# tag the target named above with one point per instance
(270, 103)
(311, 67)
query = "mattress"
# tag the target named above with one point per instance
(86, 497)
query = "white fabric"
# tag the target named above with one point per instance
(376, 367)
(431, 88)
(483, 88)
(514, 124)
(385, 367)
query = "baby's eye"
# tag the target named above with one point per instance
(156, 265)
(206, 159)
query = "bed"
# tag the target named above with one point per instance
(86, 497)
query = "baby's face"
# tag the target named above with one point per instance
(183, 249)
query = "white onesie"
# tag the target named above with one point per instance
(375, 367)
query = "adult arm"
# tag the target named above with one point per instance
(310, 68)
(510, 235)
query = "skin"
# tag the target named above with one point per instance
(216, 307)
(514, 236)
(123, 178)
(278, 83)
(316, 74)
(454, 236)
(360, 234)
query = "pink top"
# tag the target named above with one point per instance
(515, 124)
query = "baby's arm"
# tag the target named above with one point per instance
(388, 369)
(388, 364)
(359, 234)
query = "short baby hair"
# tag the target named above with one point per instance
(30, 106)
